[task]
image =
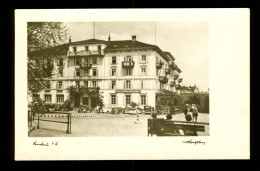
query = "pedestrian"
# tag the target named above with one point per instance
(187, 109)
(194, 113)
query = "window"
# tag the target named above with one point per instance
(113, 84)
(94, 60)
(75, 49)
(113, 99)
(87, 60)
(143, 58)
(94, 72)
(47, 98)
(113, 59)
(61, 61)
(77, 72)
(142, 84)
(86, 70)
(60, 84)
(86, 48)
(128, 99)
(128, 84)
(94, 84)
(77, 84)
(60, 98)
(143, 99)
(99, 49)
(143, 71)
(128, 71)
(77, 61)
(48, 85)
(61, 72)
(128, 58)
(113, 72)
(86, 84)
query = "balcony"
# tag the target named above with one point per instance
(167, 71)
(85, 66)
(86, 53)
(176, 77)
(128, 64)
(172, 84)
(163, 79)
(159, 65)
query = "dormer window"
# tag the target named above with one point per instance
(74, 49)
(86, 48)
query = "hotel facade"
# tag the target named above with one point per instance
(121, 72)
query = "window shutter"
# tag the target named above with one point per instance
(146, 103)
(63, 86)
(124, 84)
(90, 72)
(124, 100)
(96, 72)
(146, 73)
(57, 84)
(131, 84)
(110, 85)
(97, 84)
(116, 99)
(89, 83)
(109, 99)
(125, 58)
(116, 72)
(110, 72)
(82, 60)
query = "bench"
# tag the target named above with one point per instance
(162, 127)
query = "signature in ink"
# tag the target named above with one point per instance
(194, 142)
(45, 144)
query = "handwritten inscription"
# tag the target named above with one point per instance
(194, 142)
(45, 143)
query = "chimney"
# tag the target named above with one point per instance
(134, 38)
(109, 37)
(70, 39)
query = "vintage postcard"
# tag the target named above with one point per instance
(132, 84)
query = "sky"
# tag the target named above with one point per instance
(188, 42)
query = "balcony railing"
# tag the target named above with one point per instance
(163, 79)
(159, 64)
(176, 77)
(85, 53)
(167, 71)
(128, 64)
(86, 65)
(172, 84)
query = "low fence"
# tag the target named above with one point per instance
(68, 122)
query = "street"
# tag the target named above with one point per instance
(105, 125)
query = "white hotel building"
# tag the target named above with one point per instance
(125, 71)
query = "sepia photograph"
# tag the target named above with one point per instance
(118, 79)
(132, 84)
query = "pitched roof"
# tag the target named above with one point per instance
(169, 54)
(89, 41)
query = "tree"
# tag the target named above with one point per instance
(194, 99)
(45, 43)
